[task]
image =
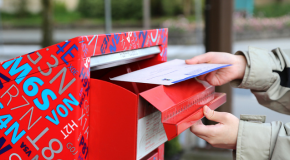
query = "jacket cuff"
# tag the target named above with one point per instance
(253, 139)
(258, 73)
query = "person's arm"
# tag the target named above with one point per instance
(267, 74)
(262, 141)
(252, 139)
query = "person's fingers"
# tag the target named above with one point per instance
(214, 115)
(204, 131)
(204, 58)
(223, 134)
(211, 78)
(200, 129)
(202, 77)
(202, 137)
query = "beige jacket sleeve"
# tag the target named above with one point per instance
(268, 76)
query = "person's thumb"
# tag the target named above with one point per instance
(213, 115)
(193, 60)
(204, 58)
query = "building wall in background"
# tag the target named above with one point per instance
(9, 6)
(34, 6)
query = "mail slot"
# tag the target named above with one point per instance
(59, 102)
(141, 116)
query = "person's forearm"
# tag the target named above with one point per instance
(267, 76)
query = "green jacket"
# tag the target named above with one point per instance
(268, 76)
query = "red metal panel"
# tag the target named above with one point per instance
(161, 152)
(164, 97)
(114, 114)
(44, 95)
(181, 104)
(173, 127)
(113, 122)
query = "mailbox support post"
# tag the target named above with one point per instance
(218, 36)
(146, 14)
(1, 34)
(108, 17)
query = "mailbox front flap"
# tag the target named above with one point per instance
(178, 102)
(165, 97)
(176, 125)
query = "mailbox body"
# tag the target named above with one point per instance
(45, 95)
(141, 117)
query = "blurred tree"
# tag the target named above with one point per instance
(167, 8)
(121, 9)
(187, 7)
(156, 8)
(92, 8)
(47, 23)
(270, 10)
(128, 9)
(22, 12)
(172, 8)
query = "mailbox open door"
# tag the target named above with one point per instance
(59, 102)
(141, 117)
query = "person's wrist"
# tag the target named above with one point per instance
(241, 66)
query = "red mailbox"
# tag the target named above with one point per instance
(59, 102)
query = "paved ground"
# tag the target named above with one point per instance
(207, 154)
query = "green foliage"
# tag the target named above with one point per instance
(13, 20)
(91, 12)
(128, 9)
(121, 9)
(172, 148)
(172, 7)
(22, 12)
(288, 24)
(156, 8)
(92, 8)
(62, 15)
(272, 10)
(59, 8)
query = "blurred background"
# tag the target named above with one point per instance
(195, 27)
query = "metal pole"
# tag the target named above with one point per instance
(146, 14)
(198, 21)
(108, 17)
(218, 36)
(47, 23)
(1, 35)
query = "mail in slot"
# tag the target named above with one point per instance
(143, 116)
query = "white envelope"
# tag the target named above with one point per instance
(169, 73)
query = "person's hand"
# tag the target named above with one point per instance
(222, 135)
(223, 75)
